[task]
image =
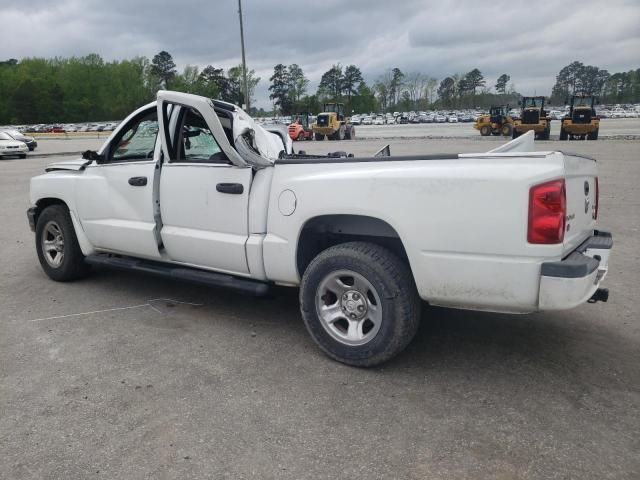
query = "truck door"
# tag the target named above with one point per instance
(204, 188)
(115, 196)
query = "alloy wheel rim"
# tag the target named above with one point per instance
(53, 244)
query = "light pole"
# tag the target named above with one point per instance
(244, 63)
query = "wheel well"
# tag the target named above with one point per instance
(320, 233)
(47, 202)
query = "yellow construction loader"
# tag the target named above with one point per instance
(332, 123)
(582, 121)
(534, 117)
(496, 122)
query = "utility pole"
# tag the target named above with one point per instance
(247, 105)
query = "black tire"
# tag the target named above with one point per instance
(72, 265)
(506, 130)
(22, 155)
(515, 133)
(593, 135)
(300, 137)
(349, 133)
(319, 136)
(563, 134)
(485, 130)
(393, 283)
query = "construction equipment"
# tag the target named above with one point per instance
(582, 121)
(299, 129)
(496, 122)
(534, 117)
(332, 123)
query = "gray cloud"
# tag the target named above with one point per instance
(529, 40)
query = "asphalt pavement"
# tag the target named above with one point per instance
(123, 375)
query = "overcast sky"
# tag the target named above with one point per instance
(529, 40)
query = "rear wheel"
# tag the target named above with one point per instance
(57, 245)
(485, 130)
(319, 136)
(593, 135)
(300, 136)
(359, 303)
(544, 135)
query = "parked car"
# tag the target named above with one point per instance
(29, 141)
(355, 120)
(440, 118)
(452, 118)
(265, 216)
(11, 147)
(403, 119)
(556, 115)
(379, 120)
(367, 120)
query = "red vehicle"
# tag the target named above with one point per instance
(55, 129)
(299, 129)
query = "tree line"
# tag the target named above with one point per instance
(81, 89)
(78, 89)
(579, 79)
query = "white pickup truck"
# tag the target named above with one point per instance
(191, 188)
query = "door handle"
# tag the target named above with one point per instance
(232, 188)
(138, 181)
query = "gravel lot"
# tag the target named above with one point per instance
(137, 377)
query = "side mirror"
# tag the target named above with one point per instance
(92, 156)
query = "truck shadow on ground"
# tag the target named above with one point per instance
(574, 346)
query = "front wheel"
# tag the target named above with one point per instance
(319, 136)
(506, 130)
(359, 303)
(57, 245)
(485, 130)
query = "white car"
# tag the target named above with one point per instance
(556, 115)
(452, 118)
(379, 120)
(198, 191)
(440, 119)
(367, 120)
(11, 147)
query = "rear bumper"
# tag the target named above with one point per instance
(580, 128)
(525, 127)
(572, 281)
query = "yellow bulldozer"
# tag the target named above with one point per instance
(496, 122)
(582, 121)
(332, 123)
(534, 117)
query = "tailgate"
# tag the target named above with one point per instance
(580, 178)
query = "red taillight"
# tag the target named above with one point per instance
(547, 211)
(595, 213)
